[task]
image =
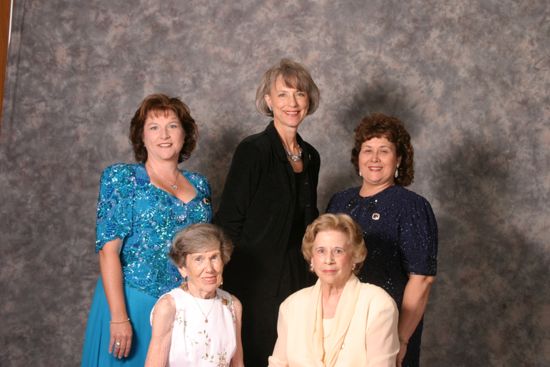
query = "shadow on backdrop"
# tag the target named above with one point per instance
(492, 283)
(383, 97)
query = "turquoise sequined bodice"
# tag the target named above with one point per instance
(146, 219)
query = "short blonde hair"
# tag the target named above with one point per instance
(294, 75)
(200, 237)
(341, 223)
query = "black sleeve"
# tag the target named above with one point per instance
(240, 186)
(317, 166)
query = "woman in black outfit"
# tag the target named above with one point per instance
(270, 197)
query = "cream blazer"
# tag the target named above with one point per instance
(371, 339)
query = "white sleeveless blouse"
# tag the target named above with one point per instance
(201, 343)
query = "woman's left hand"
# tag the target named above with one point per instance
(121, 339)
(401, 354)
(415, 299)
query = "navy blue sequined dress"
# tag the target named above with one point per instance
(146, 218)
(400, 232)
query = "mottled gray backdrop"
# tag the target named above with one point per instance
(471, 80)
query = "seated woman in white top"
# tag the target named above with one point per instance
(339, 321)
(197, 324)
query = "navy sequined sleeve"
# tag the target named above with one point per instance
(400, 232)
(418, 237)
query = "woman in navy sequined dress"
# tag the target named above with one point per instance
(399, 226)
(140, 208)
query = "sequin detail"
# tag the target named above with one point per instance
(400, 232)
(146, 218)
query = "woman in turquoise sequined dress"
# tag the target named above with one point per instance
(140, 208)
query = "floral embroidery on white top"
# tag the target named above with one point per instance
(199, 343)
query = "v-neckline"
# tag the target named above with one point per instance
(182, 172)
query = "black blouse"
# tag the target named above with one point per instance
(257, 210)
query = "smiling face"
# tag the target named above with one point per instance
(378, 161)
(289, 105)
(163, 135)
(204, 272)
(332, 258)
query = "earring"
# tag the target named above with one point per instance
(311, 267)
(360, 174)
(184, 285)
(353, 267)
(396, 172)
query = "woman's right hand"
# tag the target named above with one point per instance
(120, 344)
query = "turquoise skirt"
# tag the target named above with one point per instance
(96, 342)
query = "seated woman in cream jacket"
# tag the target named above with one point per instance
(339, 321)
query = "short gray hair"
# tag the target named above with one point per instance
(198, 238)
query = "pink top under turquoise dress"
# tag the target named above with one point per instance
(146, 218)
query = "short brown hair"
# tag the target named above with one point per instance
(197, 238)
(162, 103)
(294, 75)
(341, 223)
(379, 125)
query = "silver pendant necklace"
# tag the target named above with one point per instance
(294, 157)
(173, 186)
(210, 310)
(185, 287)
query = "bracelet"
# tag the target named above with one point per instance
(120, 322)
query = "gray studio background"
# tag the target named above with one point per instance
(470, 79)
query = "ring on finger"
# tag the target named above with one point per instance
(117, 344)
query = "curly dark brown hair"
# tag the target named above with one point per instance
(379, 125)
(161, 102)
